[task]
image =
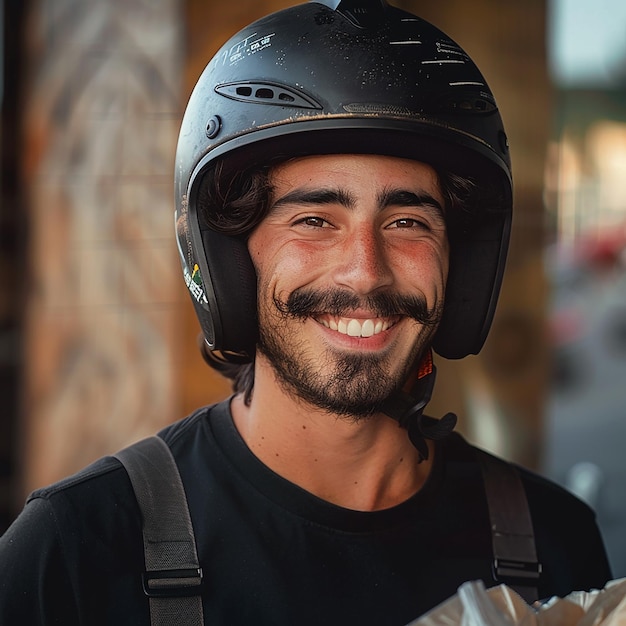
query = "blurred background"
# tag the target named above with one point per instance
(97, 337)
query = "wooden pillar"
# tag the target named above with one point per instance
(103, 108)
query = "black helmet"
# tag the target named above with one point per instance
(342, 76)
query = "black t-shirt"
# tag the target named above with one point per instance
(271, 552)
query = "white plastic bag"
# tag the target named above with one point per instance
(474, 605)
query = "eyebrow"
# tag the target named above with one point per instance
(388, 197)
(317, 197)
(402, 197)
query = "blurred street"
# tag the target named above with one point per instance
(586, 414)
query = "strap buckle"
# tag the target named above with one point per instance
(173, 583)
(523, 572)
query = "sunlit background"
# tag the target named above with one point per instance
(97, 337)
(585, 193)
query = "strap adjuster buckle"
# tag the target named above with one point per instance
(172, 583)
(525, 572)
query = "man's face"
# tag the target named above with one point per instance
(352, 262)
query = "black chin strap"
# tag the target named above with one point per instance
(408, 410)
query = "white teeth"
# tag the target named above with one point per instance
(356, 328)
(367, 330)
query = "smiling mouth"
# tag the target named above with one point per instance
(354, 327)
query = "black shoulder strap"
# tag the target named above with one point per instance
(173, 577)
(515, 556)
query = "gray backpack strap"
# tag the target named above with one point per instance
(514, 553)
(173, 577)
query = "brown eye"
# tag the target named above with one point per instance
(313, 222)
(408, 222)
(405, 223)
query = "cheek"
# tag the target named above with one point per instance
(263, 254)
(439, 260)
(274, 252)
(281, 266)
(425, 267)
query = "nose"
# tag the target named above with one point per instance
(362, 261)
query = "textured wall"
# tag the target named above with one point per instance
(102, 117)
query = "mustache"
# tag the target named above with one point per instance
(303, 303)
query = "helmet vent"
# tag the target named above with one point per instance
(469, 104)
(378, 109)
(267, 93)
(362, 13)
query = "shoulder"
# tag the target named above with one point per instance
(543, 494)
(81, 534)
(176, 435)
(568, 540)
(102, 470)
(101, 493)
(97, 503)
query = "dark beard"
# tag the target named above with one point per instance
(352, 385)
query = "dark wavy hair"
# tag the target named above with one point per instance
(234, 201)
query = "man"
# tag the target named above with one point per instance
(344, 206)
